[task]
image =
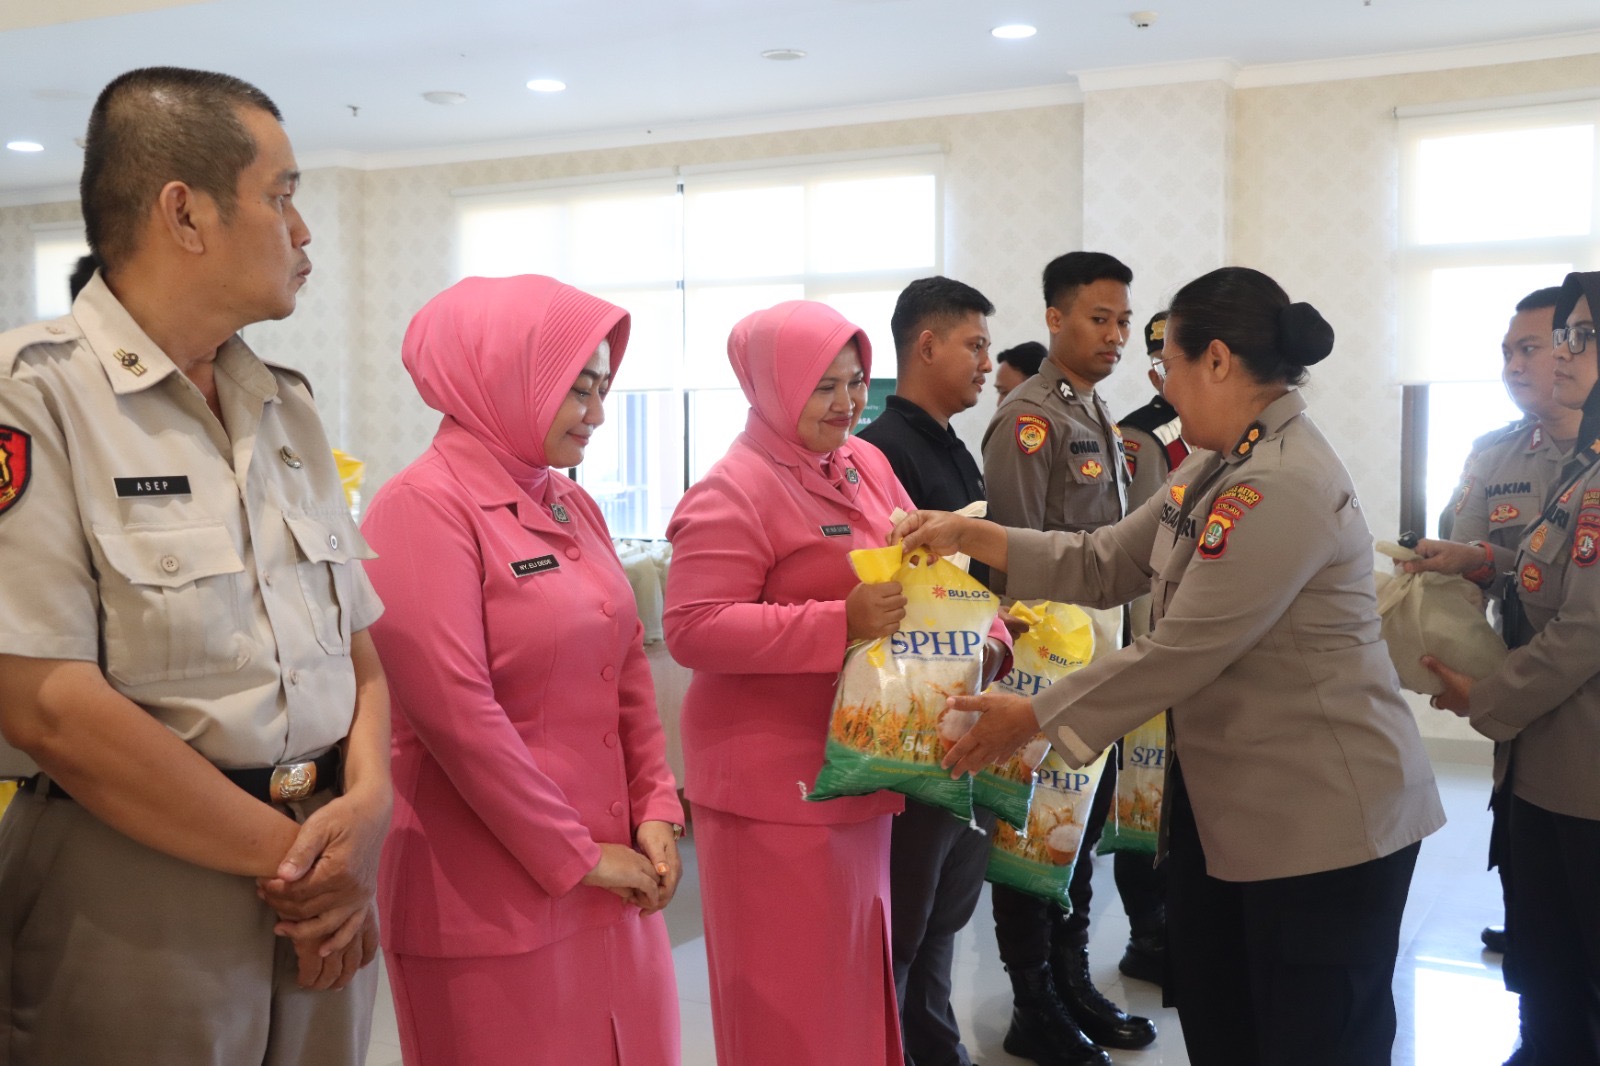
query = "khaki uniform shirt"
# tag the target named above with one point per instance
(1297, 750)
(1052, 460)
(211, 573)
(1545, 698)
(1503, 490)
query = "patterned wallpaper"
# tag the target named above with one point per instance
(1156, 172)
(16, 258)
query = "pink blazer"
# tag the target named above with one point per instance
(525, 728)
(755, 606)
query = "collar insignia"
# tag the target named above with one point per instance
(130, 362)
(1253, 435)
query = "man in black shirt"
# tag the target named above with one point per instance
(936, 863)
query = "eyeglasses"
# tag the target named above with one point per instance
(1576, 338)
(1159, 365)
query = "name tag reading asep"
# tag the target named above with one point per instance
(526, 567)
(169, 485)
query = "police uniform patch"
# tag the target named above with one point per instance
(1032, 431)
(1504, 513)
(1091, 469)
(1591, 497)
(1176, 492)
(1532, 577)
(1466, 490)
(1584, 548)
(1245, 494)
(16, 465)
(1214, 541)
(1129, 445)
(1536, 541)
(1133, 463)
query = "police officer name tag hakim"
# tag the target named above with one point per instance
(167, 485)
(529, 567)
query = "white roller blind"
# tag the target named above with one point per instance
(1494, 204)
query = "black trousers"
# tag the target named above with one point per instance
(1294, 971)
(1026, 926)
(936, 866)
(1553, 925)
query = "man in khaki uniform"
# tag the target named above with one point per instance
(185, 675)
(1053, 460)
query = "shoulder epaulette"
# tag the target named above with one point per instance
(13, 342)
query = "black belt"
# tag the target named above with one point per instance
(269, 784)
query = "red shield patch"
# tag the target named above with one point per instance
(16, 465)
(1584, 548)
(1032, 432)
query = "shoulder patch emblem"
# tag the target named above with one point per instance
(1532, 577)
(1466, 490)
(1176, 492)
(1091, 469)
(1245, 494)
(1133, 463)
(1032, 431)
(16, 465)
(1130, 445)
(1591, 497)
(1584, 548)
(1536, 541)
(1504, 513)
(1214, 541)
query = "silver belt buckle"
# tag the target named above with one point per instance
(293, 781)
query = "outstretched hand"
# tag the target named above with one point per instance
(1007, 724)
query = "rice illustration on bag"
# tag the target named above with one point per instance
(1041, 862)
(890, 727)
(1135, 819)
(1059, 640)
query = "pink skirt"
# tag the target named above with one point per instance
(797, 940)
(601, 997)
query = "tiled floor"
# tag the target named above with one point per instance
(1453, 1009)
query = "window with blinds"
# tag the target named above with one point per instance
(689, 252)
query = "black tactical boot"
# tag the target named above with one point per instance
(1041, 1029)
(1146, 958)
(1100, 1019)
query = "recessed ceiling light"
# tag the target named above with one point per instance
(783, 54)
(546, 85)
(444, 99)
(25, 146)
(1015, 31)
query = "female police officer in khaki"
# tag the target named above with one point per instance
(1299, 789)
(1545, 701)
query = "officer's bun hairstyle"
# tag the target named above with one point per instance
(1252, 315)
(932, 303)
(1066, 274)
(157, 125)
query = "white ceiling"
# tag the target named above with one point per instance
(637, 65)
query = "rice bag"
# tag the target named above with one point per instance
(1134, 821)
(890, 727)
(1041, 862)
(1059, 640)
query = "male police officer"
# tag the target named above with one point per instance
(1053, 459)
(184, 672)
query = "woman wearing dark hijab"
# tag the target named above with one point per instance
(535, 817)
(1544, 701)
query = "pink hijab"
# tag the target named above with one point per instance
(779, 355)
(496, 356)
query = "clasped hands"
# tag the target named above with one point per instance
(324, 889)
(645, 875)
(1446, 557)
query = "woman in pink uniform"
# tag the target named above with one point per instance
(761, 604)
(535, 817)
